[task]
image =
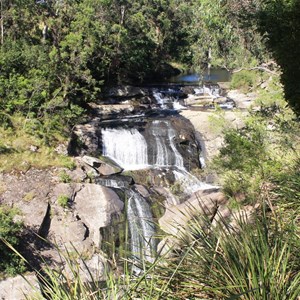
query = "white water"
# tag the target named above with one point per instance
(168, 101)
(211, 91)
(167, 154)
(191, 183)
(161, 100)
(141, 228)
(127, 147)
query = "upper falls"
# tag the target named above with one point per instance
(154, 146)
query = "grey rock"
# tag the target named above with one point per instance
(69, 233)
(95, 205)
(18, 288)
(92, 161)
(85, 138)
(127, 91)
(107, 169)
(202, 205)
(103, 167)
(142, 190)
(115, 181)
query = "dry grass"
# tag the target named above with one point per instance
(21, 150)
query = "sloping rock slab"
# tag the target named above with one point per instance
(201, 206)
(18, 288)
(104, 168)
(95, 206)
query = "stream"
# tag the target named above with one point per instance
(156, 138)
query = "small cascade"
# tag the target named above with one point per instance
(211, 90)
(191, 183)
(127, 147)
(165, 153)
(168, 99)
(142, 229)
(161, 100)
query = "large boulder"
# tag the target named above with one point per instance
(105, 168)
(95, 206)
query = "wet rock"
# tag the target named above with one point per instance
(127, 91)
(115, 181)
(142, 190)
(84, 139)
(19, 288)
(95, 205)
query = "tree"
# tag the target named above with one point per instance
(279, 20)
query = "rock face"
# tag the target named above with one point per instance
(104, 168)
(18, 288)
(201, 205)
(85, 139)
(96, 205)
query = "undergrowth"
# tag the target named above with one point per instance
(22, 148)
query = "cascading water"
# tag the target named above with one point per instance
(165, 153)
(142, 229)
(167, 99)
(127, 147)
(132, 151)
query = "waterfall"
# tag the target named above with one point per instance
(129, 148)
(160, 99)
(141, 228)
(125, 146)
(191, 183)
(165, 152)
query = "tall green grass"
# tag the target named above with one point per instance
(253, 261)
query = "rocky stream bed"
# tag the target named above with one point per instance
(135, 158)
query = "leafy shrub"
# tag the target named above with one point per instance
(64, 177)
(244, 80)
(10, 263)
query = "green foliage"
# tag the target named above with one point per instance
(262, 150)
(63, 200)
(254, 263)
(279, 21)
(244, 80)
(64, 177)
(10, 230)
(176, 188)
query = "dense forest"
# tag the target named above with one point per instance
(58, 56)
